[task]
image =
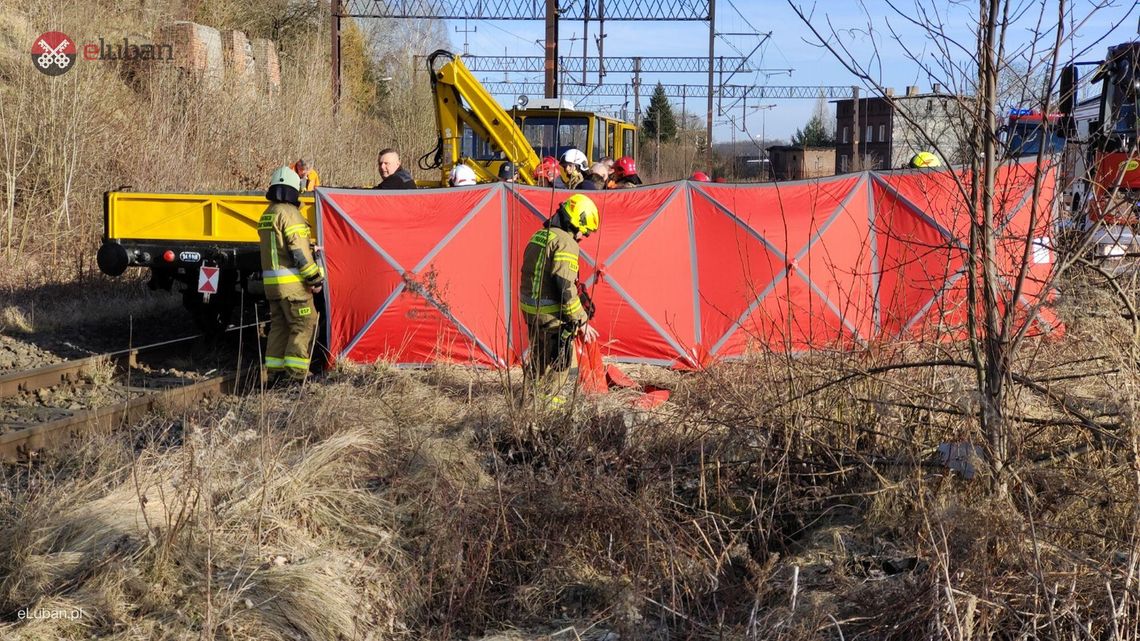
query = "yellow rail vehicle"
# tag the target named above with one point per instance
(175, 235)
(475, 129)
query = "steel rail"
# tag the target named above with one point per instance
(25, 444)
(30, 380)
(13, 383)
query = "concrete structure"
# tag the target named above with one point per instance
(797, 163)
(890, 129)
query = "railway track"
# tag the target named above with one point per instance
(131, 394)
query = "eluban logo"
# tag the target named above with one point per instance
(53, 53)
(1129, 165)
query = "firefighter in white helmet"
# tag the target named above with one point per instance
(291, 277)
(461, 175)
(574, 164)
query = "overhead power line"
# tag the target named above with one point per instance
(772, 92)
(647, 64)
(672, 10)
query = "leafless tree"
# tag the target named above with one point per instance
(987, 68)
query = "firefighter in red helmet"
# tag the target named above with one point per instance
(549, 174)
(625, 173)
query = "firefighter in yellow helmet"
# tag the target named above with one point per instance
(924, 160)
(549, 297)
(291, 277)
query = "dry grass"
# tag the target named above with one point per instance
(419, 504)
(101, 126)
(782, 497)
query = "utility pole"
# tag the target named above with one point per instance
(712, 55)
(465, 31)
(334, 25)
(762, 152)
(585, 37)
(855, 128)
(601, 40)
(657, 150)
(551, 65)
(637, 91)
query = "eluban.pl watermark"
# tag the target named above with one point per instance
(72, 614)
(54, 52)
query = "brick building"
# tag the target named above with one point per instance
(797, 163)
(886, 139)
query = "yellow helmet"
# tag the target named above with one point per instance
(925, 159)
(582, 213)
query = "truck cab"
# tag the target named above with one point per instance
(551, 130)
(1028, 130)
(1110, 149)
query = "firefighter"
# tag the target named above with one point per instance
(924, 160)
(625, 173)
(549, 299)
(574, 164)
(291, 277)
(547, 174)
(461, 175)
(309, 178)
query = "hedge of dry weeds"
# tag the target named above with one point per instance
(763, 501)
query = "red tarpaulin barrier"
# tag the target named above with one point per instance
(681, 273)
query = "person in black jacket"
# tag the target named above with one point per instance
(392, 175)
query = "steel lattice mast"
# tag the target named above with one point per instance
(624, 10)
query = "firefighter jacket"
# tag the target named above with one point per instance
(574, 177)
(287, 266)
(548, 292)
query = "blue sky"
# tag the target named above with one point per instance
(792, 45)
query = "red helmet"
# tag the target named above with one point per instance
(548, 168)
(625, 166)
(700, 176)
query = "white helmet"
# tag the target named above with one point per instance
(461, 175)
(575, 157)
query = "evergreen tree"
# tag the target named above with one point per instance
(659, 111)
(814, 134)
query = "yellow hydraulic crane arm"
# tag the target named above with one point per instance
(460, 99)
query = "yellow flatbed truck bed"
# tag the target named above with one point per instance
(174, 235)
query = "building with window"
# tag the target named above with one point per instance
(886, 131)
(797, 163)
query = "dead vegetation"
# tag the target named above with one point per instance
(106, 125)
(782, 497)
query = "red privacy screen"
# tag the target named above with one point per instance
(681, 273)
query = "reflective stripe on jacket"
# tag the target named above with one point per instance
(287, 265)
(548, 292)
